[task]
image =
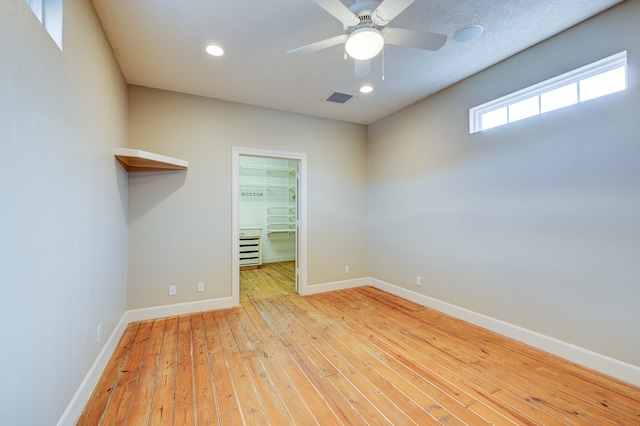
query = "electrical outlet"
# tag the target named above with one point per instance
(200, 287)
(419, 281)
(172, 290)
(99, 333)
(346, 269)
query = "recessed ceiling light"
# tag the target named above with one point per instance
(366, 89)
(215, 50)
(468, 33)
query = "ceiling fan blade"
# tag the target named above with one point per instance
(363, 68)
(340, 11)
(389, 9)
(319, 45)
(411, 38)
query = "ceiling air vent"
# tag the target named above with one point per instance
(339, 98)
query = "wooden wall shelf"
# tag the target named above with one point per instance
(135, 160)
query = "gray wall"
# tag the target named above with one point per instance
(536, 223)
(180, 222)
(63, 208)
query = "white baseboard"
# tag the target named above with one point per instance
(610, 366)
(75, 407)
(336, 285)
(144, 314)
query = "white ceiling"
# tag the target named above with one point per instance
(160, 44)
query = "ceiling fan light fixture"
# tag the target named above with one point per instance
(214, 50)
(364, 43)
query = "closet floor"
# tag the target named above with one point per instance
(280, 275)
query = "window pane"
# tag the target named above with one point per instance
(494, 118)
(603, 84)
(36, 7)
(523, 109)
(53, 20)
(558, 98)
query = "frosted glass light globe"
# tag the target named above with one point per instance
(364, 43)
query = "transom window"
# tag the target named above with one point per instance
(49, 12)
(597, 79)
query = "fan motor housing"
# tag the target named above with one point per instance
(363, 11)
(364, 8)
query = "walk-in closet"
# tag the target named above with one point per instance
(267, 211)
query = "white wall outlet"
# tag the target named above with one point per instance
(99, 333)
(346, 269)
(172, 290)
(419, 281)
(200, 287)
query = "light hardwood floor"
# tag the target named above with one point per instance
(355, 357)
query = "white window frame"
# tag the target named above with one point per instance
(607, 64)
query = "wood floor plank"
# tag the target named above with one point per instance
(305, 360)
(472, 359)
(533, 370)
(314, 401)
(357, 356)
(353, 356)
(403, 378)
(553, 395)
(490, 415)
(183, 411)
(205, 399)
(247, 397)
(272, 403)
(140, 407)
(358, 376)
(477, 378)
(116, 411)
(606, 387)
(228, 406)
(453, 398)
(428, 367)
(466, 367)
(104, 389)
(290, 392)
(162, 406)
(521, 403)
(356, 406)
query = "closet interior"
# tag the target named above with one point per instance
(267, 210)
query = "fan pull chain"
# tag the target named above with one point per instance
(383, 64)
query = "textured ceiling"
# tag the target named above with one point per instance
(160, 44)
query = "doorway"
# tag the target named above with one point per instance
(268, 201)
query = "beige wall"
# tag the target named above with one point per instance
(535, 223)
(180, 223)
(63, 208)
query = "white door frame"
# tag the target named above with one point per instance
(235, 218)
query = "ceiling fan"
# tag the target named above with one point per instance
(366, 32)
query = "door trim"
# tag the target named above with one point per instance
(235, 220)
